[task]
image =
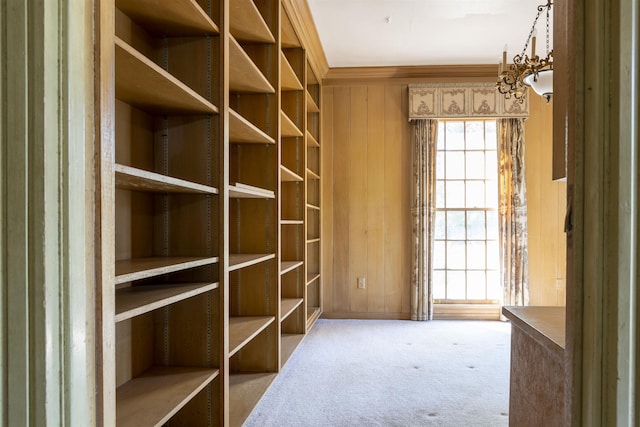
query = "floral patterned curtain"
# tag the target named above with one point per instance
(422, 211)
(513, 212)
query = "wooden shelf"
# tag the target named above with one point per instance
(288, 305)
(142, 83)
(287, 266)
(288, 78)
(246, 22)
(245, 390)
(134, 179)
(169, 17)
(288, 34)
(314, 240)
(244, 76)
(237, 261)
(244, 329)
(288, 128)
(242, 191)
(311, 140)
(154, 397)
(314, 207)
(312, 277)
(313, 313)
(291, 222)
(286, 175)
(312, 107)
(312, 175)
(242, 131)
(136, 300)
(142, 268)
(288, 344)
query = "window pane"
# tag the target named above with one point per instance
(494, 288)
(492, 225)
(455, 255)
(440, 227)
(475, 164)
(475, 135)
(440, 165)
(438, 254)
(441, 201)
(439, 285)
(492, 193)
(455, 165)
(455, 135)
(456, 284)
(491, 164)
(476, 285)
(491, 137)
(454, 194)
(475, 255)
(493, 256)
(455, 225)
(475, 194)
(475, 225)
(440, 136)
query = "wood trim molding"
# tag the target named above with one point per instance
(413, 73)
(302, 21)
(366, 316)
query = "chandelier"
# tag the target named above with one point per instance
(533, 71)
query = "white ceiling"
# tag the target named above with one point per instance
(424, 32)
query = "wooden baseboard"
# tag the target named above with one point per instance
(366, 316)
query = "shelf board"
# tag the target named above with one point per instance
(288, 78)
(242, 191)
(312, 175)
(288, 305)
(134, 179)
(245, 390)
(136, 300)
(289, 129)
(169, 17)
(312, 277)
(291, 222)
(288, 344)
(313, 240)
(287, 175)
(244, 76)
(312, 107)
(288, 35)
(311, 140)
(141, 268)
(246, 22)
(243, 329)
(237, 261)
(242, 131)
(314, 207)
(287, 266)
(141, 82)
(155, 396)
(313, 313)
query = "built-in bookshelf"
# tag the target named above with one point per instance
(212, 170)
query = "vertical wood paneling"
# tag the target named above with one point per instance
(545, 209)
(375, 199)
(358, 192)
(396, 287)
(342, 201)
(327, 199)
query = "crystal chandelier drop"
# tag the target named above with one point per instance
(533, 71)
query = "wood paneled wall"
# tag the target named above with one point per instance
(546, 203)
(366, 201)
(366, 228)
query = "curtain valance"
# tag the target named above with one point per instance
(462, 100)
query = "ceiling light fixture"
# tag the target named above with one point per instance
(528, 71)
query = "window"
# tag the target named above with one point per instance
(466, 254)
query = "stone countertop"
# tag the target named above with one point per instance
(546, 325)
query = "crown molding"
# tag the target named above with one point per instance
(302, 21)
(354, 75)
